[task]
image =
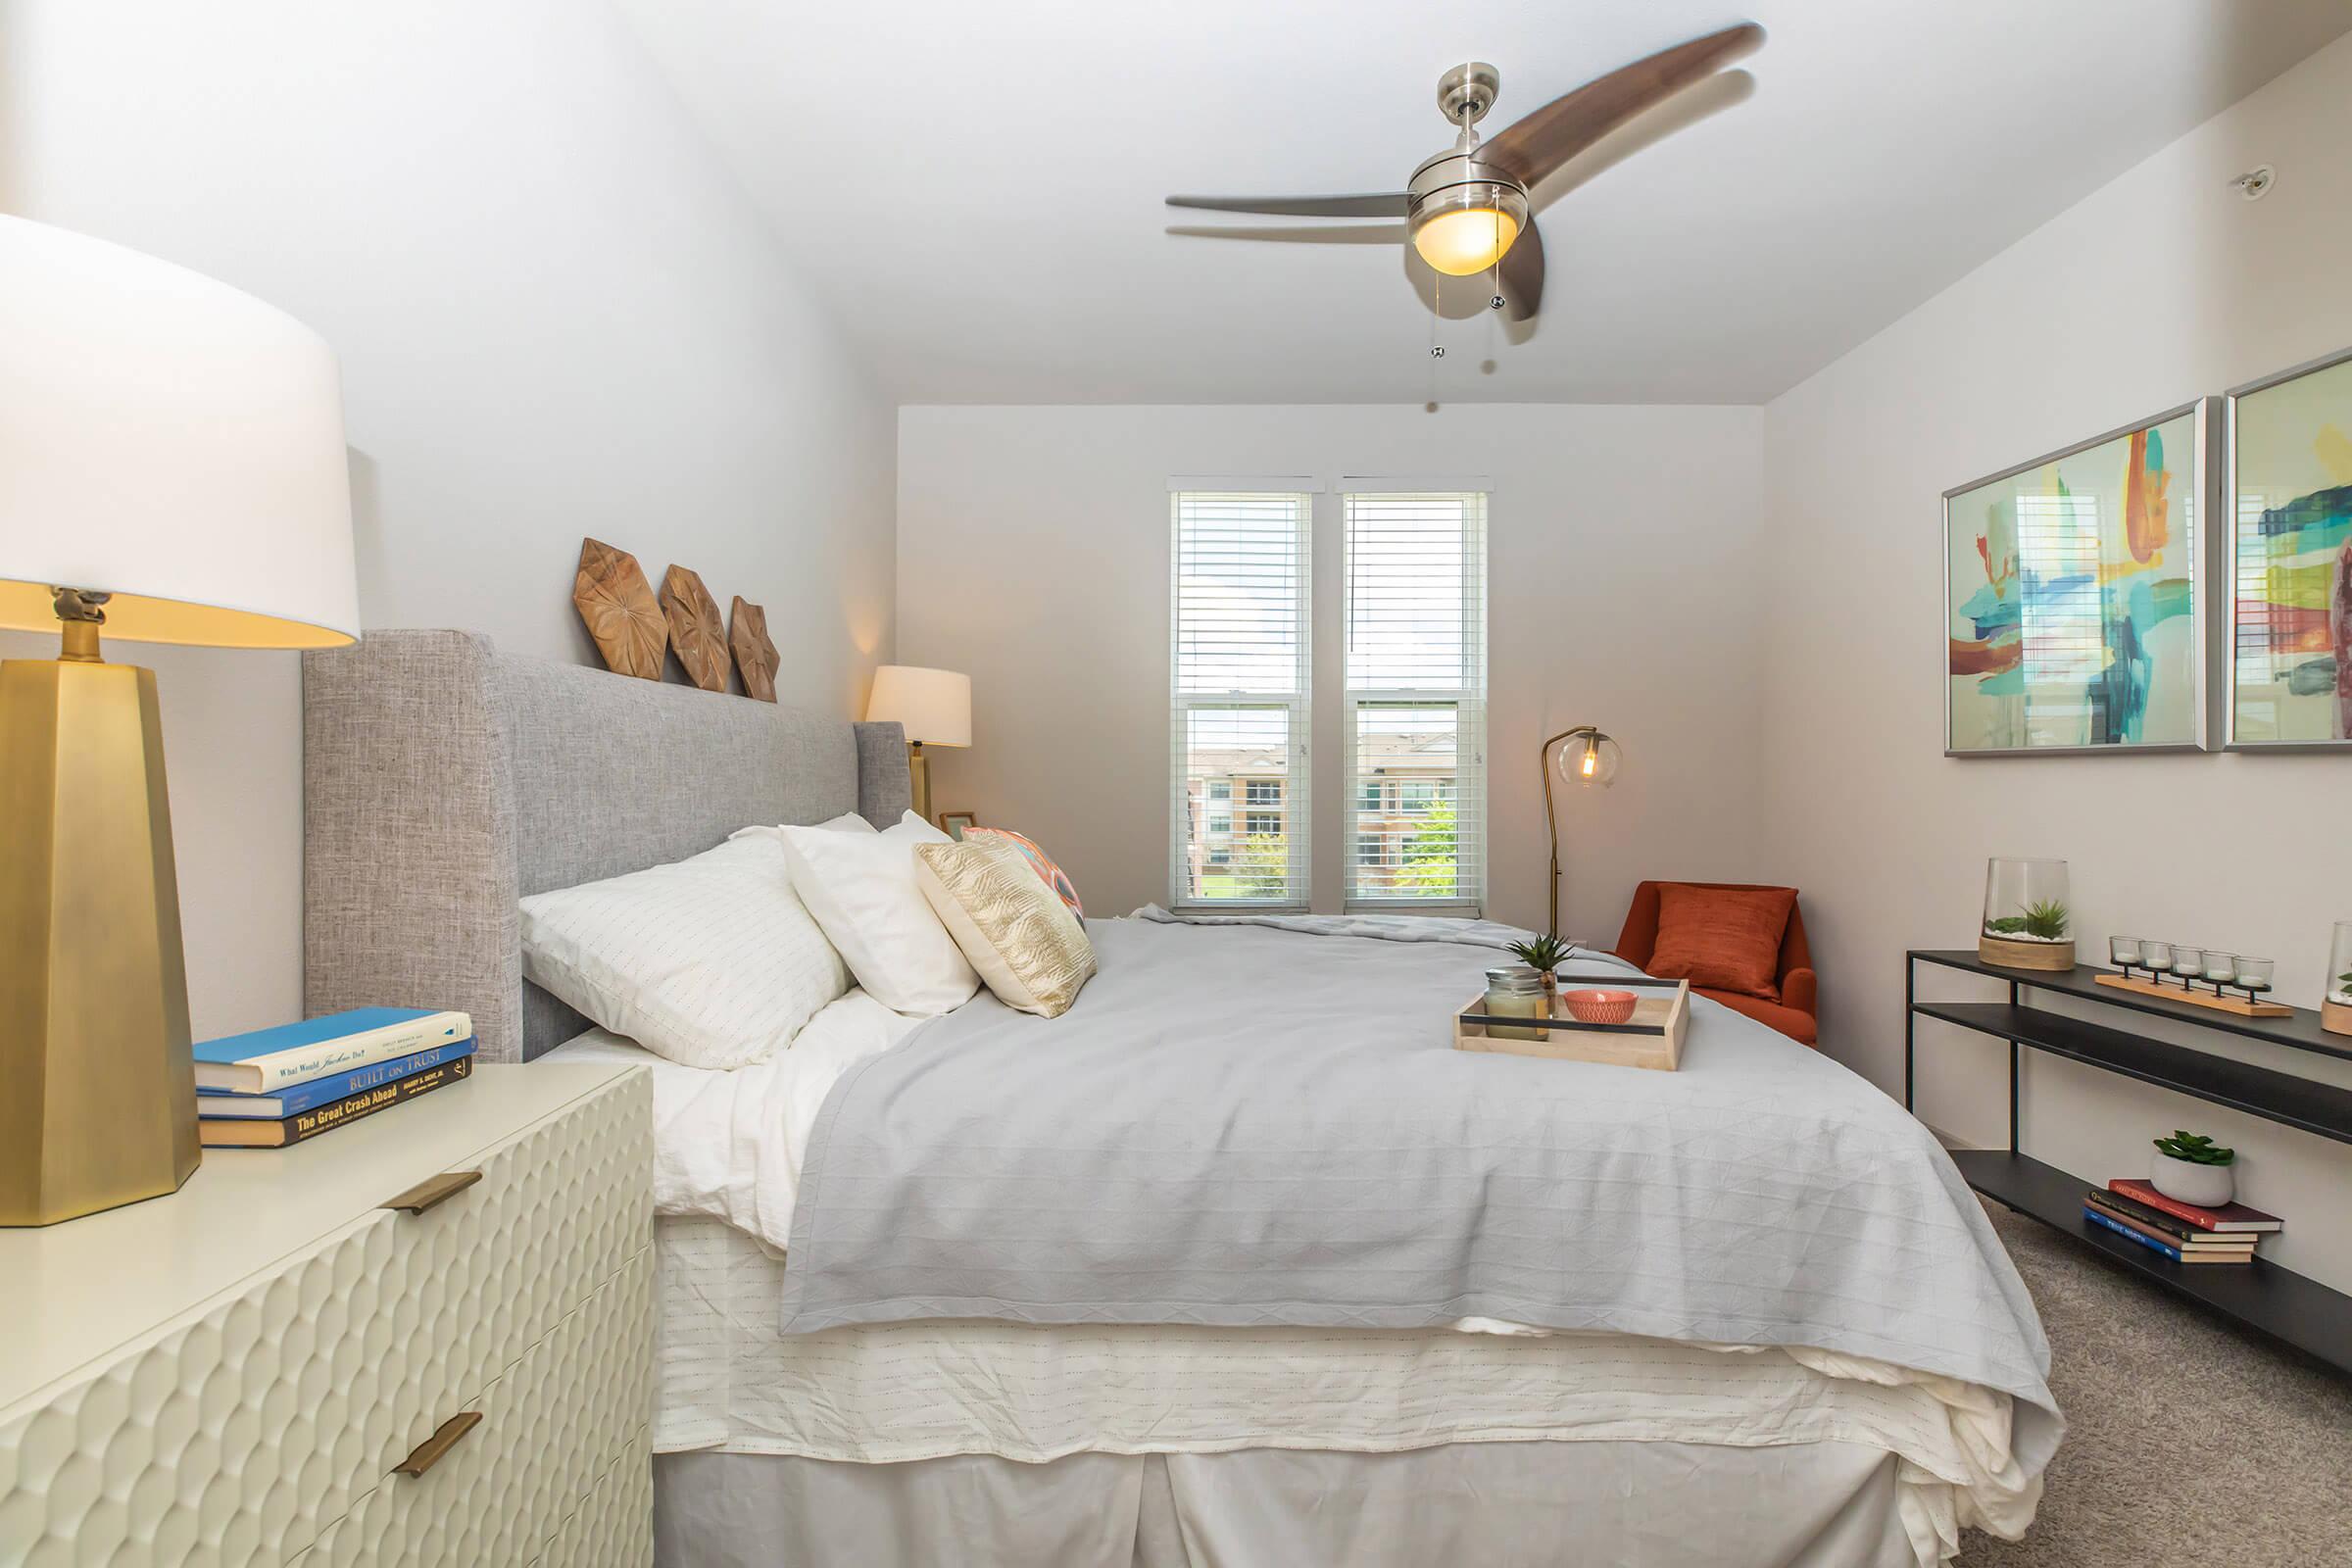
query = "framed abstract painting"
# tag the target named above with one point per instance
(2075, 597)
(2288, 670)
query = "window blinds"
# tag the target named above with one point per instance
(1416, 638)
(1239, 786)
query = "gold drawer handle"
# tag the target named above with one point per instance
(433, 1190)
(428, 1453)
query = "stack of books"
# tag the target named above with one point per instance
(276, 1087)
(2181, 1232)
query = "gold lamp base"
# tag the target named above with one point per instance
(97, 1087)
(918, 778)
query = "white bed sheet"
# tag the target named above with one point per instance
(728, 1151)
(728, 1145)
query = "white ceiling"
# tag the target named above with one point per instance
(975, 186)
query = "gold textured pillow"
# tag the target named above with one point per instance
(1011, 926)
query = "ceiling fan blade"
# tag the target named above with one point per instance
(1520, 276)
(1384, 205)
(1530, 148)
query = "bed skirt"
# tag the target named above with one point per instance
(1496, 1504)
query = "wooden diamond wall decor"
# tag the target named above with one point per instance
(754, 656)
(695, 633)
(618, 606)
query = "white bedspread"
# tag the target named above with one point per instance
(727, 1166)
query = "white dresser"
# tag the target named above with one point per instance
(238, 1374)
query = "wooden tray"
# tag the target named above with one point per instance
(1651, 1038)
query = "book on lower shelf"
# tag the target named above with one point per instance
(2183, 1232)
(2228, 1217)
(251, 1132)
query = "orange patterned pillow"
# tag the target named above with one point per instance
(1725, 939)
(1039, 861)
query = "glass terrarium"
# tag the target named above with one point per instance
(2027, 922)
(2336, 1013)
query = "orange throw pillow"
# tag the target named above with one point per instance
(1725, 939)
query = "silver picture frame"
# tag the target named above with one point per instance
(2224, 659)
(2205, 490)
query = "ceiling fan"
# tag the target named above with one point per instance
(1467, 206)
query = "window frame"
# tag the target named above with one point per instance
(1297, 703)
(1468, 699)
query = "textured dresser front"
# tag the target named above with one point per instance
(265, 1427)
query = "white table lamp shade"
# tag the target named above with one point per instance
(933, 706)
(173, 442)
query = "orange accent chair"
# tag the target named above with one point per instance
(1792, 1015)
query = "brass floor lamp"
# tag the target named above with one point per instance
(1589, 760)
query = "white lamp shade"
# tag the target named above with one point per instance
(933, 706)
(172, 442)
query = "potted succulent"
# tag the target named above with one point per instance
(2192, 1170)
(1543, 954)
(2027, 924)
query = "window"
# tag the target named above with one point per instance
(1415, 717)
(1240, 693)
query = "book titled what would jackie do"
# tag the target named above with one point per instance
(270, 1059)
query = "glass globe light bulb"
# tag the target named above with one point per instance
(1589, 760)
(1466, 228)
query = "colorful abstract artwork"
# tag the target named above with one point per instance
(2073, 596)
(2290, 559)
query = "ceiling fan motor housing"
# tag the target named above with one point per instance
(1456, 181)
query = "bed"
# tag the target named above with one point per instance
(951, 1371)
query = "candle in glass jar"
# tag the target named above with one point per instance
(2221, 967)
(1515, 991)
(2254, 974)
(2188, 960)
(2156, 954)
(2123, 950)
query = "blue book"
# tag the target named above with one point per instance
(216, 1105)
(270, 1059)
(2243, 1254)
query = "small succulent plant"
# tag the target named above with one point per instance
(1543, 954)
(2045, 919)
(2195, 1147)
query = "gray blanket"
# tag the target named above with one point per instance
(1242, 1125)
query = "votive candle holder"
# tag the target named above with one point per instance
(2156, 954)
(2123, 950)
(2254, 974)
(2188, 960)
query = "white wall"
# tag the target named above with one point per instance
(1624, 554)
(555, 315)
(2162, 286)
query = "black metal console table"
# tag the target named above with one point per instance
(2287, 1306)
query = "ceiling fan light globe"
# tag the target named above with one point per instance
(1466, 228)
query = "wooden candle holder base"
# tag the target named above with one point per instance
(2241, 1006)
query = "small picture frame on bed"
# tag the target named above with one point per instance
(952, 823)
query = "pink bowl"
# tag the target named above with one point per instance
(1600, 1006)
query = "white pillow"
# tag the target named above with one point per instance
(712, 961)
(863, 891)
(846, 822)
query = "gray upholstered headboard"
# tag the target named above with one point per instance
(443, 780)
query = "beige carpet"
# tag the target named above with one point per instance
(2187, 1441)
